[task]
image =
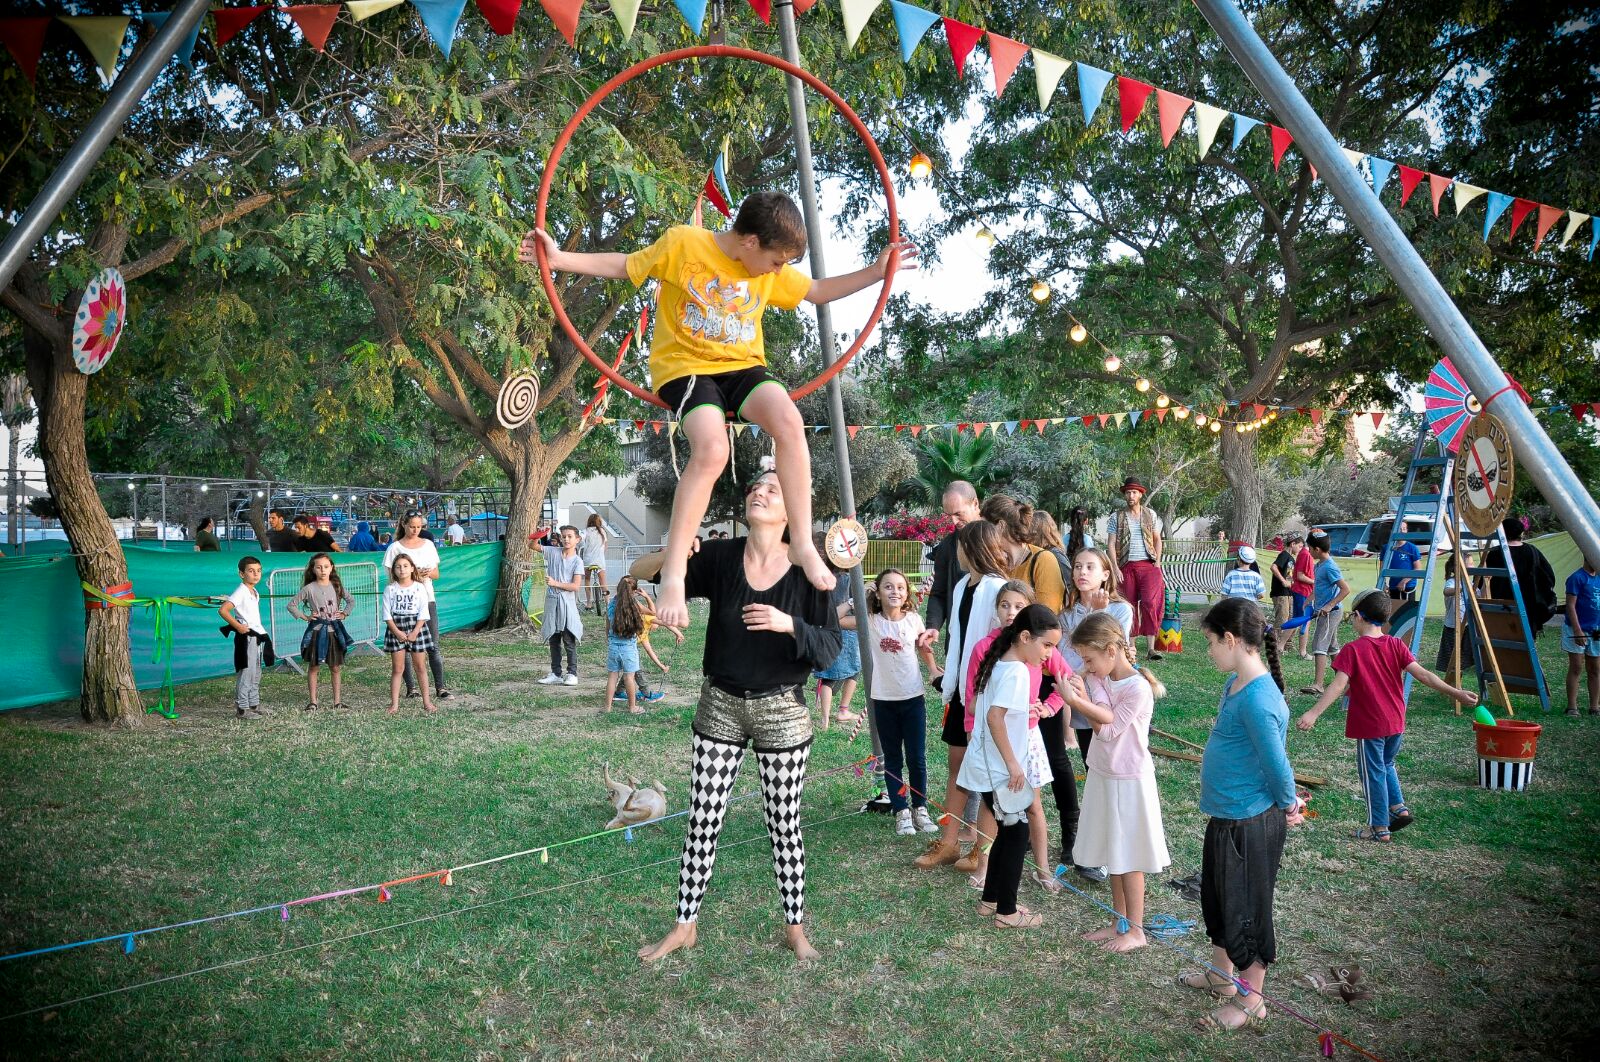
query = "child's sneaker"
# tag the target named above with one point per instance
(570, 680)
(551, 679)
(924, 823)
(247, 713)
(652, 696)
(902, 823)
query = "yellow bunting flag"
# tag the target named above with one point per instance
(365, 9)
(1208, 120)
(1575, 220)
(1047, 72)
(856, 13)
(102, 35)
(626, 13)
(1354, 156)
(1466, 193)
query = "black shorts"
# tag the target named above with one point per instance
(1238, 873)
(727, 391)
(954, 732)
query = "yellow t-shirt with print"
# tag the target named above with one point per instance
(708, 317)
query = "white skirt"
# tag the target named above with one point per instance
(1119, 827)
(1037, 764)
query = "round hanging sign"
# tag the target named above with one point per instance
(517, 401)
(1484, 475)
(846, 543)
(98, 324)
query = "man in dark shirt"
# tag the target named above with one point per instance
(281, 539)
(960, 502)
(313, 539)
(1535, 578)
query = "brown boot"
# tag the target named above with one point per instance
(968, 864)
(940, 853)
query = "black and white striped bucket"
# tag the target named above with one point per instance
(1504, 774)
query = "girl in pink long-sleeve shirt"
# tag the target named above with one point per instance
(1012, 599)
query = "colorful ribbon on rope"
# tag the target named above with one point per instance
(160, 609)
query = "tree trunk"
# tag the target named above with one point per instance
(256, 512)
(529, 477)
(109, 694)
(1244, 479)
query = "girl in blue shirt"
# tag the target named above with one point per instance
(1247, 787)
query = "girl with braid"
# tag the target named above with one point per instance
(768, 629)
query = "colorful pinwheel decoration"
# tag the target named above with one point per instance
(1448, 404)
(98, 324)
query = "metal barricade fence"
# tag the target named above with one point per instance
(360, 579)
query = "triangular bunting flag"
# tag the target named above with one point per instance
(1379, 170)
(1038, 426)
(715, 195)
(856, 13)
(994, 427)
(1259, 410)
(626, 12)
(655, 426)
(1161, 416)
(1120, 418)
(230, 20)
(898, 428)
(1313, 168)
(1436, 187)
(763, 10)
(802, 6)
(1088, 422)
(916, 430)
(1011, 427)
(719, 170)
(911, 22)
(1104, 417)
(185, 52)
(1409, 179)
(1208, 120)
(1047, 71)
(1092, 82)
(1170, 109)
(361, 10)
(441, 16)
(1131, 95)
(502, 15)
(638, 425)
(1574, 219)
(1498, 201)
(962, 38)
(697, 217)
(102, 35)
(1594, 239)
(693, 12)
(1520, 209)
(1354, 157)
(672, 427)
(755, 431)
(961, 427)
(1280, 143)
(564, 13)
(1579, 409)
(1005, 55)
(1058, 420)
(1133, 418)
(1316, 416)
(1241, 128)
(852, 429)
(1377, 419)
(1466, 193)
(316, 20)
(24, 39)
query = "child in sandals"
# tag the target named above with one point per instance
(1373, 670)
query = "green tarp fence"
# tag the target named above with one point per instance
(42, 602)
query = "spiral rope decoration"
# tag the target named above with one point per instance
(517, 401)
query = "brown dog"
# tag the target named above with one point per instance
(632, 803)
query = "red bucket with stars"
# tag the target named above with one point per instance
(1505, 754)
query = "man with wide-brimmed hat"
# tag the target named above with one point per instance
(1138, 556)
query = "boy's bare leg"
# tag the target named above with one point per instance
(705, 428)
(770, 408)
(611, 689)
(632, 686)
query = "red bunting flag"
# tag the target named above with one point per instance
(916, 430)
(802, 6)
(1377, 419)
(1409, 179)
(1004, 55)
(1316, 416)
(852, 429)
(899, 428)
(1280, 143)
(1039, 426)
(1131, 94)
(564, 13)
(1579, 409)
(316, 21)
(1170, 109)
(713, 193)
(1088, 422)
(1520, 209)
(962, 39)
(1436, 187)
(500, 14)
(962, 427)
(1259, 410)
(1548, 216)
(655, 426)
(1104, 418)
(1161, 416)
(638, 425)
(230, 20)
(24, 39)
(763, 10)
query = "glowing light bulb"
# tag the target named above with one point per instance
(1141, 385)
(1199, 419)
(130, 486)
(261, 494)
(986, 236)
(1216, 426)
(1040, 291)
(921, 165)
(1182, 412)
(204, 487)
(1078, 332)
(288, 494)
(335, 497)
(1240, 428)
(1112, 363)
(1162, 401)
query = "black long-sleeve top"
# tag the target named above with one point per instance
(739, 658)
(946, 573)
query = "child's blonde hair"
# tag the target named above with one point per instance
(1101, 632)
(1018, 587)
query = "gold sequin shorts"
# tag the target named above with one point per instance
(777, 722)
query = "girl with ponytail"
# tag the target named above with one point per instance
(1120, 825)
(1247, 789)
(993, 766)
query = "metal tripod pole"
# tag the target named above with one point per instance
(830, 352)
(1541, 460)
(124, 97)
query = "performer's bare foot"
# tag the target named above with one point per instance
(804, 554)
(1105, 933)
(1129, 941)
(794, 938)
(683, 935)
(672, 608)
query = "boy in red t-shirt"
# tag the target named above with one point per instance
(1305, 579)
(1373, 668)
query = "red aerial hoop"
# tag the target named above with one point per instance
(710, 51)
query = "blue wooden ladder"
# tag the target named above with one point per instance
(1406, 622)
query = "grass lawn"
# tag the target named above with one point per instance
(1474, 925)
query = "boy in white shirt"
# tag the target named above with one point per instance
(242, 612)
(1242, 580)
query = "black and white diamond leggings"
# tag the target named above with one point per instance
(783, 782)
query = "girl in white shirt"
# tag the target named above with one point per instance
(406, 631)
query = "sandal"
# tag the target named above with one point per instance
(338, 706)
(986, 909)
(1209, 981)
(977, 882)
(311, 706)
(1254, 1018)
(1047, 882)
(1400, 817)
(1372, 833)
(1025, 919)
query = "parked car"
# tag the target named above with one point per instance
(1344, 540)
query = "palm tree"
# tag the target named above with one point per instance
(943, 461)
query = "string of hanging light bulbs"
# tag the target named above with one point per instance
(921, 168)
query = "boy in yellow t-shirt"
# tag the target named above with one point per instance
(708, 359)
